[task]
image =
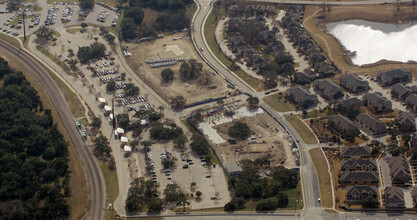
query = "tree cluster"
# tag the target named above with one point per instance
(239, 130)
(199, 145)
(167, 75)
(141, 194)
(102, 147)
(34, 172)
(162, 133)
(86, 4)
(178, 103)
(131, 89)
(283, 65)
(43, 35)
(151, 114)
(190, 70)
(174, 195)
(95, 50)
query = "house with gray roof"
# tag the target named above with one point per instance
(406, 121)
(353, 83)
(394, 197)
(358, 178)
(399, 91)
(371, 124)
(328, 89)
(411, 102)
(301, 96)
(399, 170)
(414, 196)
(355, 152)
(390, 77)
(360, 192)
(377, 102)
(358, 165)
(342, 124)
(347, 104)
(232, 169)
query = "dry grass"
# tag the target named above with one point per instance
(324, 179)
(302, 129)
(112, 188)
(279, 104)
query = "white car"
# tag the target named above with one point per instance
(202, 49)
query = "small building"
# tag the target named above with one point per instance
(399, 91)
(347, 104)
(358, 178)
(371, 123)
(355, 152)
(328, 89)
(377, 102)
(358, 165)
(411, 102)
(399, 170)
(341, 124)
(406, 122)
(353, 83)
(414, 141)
(300, 96)
(360, 192)
(414, 196)
(390, 77)
(232, 169)
(394, 197)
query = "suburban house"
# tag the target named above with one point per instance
(406, 121)
(301, 96)
(390, 77)
(399, 91)
(414, 196)
(358, 178)
(413, 89)
(355, 152)
(353, 83)
(347, 104)
(328, 89)
(399, 170)
(358, 165)
(414, 141)
(232, 169)
(394, 197)
(371, 123)
(377, 102)
(411, 102)
(341, 124)
(360, 192)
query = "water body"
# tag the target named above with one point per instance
(374, 41)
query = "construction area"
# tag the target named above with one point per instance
(267, 138)
(149, 58)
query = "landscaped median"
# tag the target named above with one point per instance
(209, 30)
(302, 129)
(324, 179)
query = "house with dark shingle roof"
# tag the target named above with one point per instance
(411, 102)
(352, 103)
(394, 197)
(414, 141)
(390, 77)
(328, 89)
(358, 165)
(406, 121)
(399, 170)
(353, 83)
(377, 102)
(341, 124)
(301, 96)
(399, 91)
(414, 196)
(355, 152)
(360, 192)
(358, 178)
(371, 123)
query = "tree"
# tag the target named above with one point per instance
(134, 144)
(73, 63)
(136, 129)
(370, 202)
(155, 206)
(178, 103)
(180, 141)
(269, 204)
(84, 25)
(230, 206)
(86, 4)
(43, 34)
(111, 86)
(198, 194)
(167, 75)
(168, 163)
(350, 135)
(109, 38)
(352, 113)
(253, 102)
(123, 75)
(96, 123)
(123, 120)
(239, 130)
(190, 70)
(199, 145)
(193, 184)
(14, 5)
(95, 50)
(102, 145)
(131, 90)
(134, 13)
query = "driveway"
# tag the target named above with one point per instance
(383, 164)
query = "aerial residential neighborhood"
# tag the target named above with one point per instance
(211, 109)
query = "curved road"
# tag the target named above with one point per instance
(93, 171)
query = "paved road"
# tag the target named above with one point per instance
(94, 174)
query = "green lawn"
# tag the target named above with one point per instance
(209, 29)
(112, 187)
(58, 61)
(324, 179)
(10, 39)
(279, 104)
(302, 129)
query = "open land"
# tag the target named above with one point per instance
(181, 48)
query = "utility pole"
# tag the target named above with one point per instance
(24, 26)
(114, 115)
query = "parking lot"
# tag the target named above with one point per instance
(189, 168)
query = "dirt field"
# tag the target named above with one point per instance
(269, 142)
(380, 13)
(182, 47)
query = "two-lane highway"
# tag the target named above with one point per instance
(96, 181)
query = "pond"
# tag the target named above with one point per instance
(372, 41)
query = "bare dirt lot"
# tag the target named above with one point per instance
(181, 47)
(314, 24)
(265, 141)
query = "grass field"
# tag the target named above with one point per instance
(10, 39)
(112, 188)
(302, 129)
(73, 30)
(209, 29)
(59, 62)
(324, 179)
(279, 104)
